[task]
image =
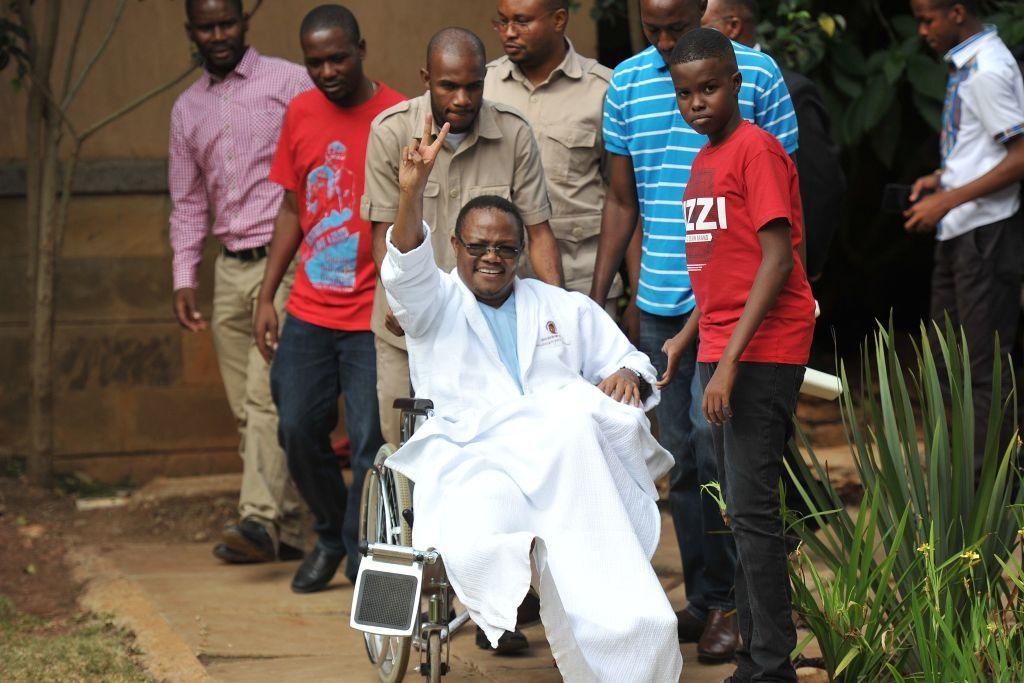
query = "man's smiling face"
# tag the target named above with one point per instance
(490, 277)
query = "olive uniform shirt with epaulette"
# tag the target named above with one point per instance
(499, 156)
(565, 112)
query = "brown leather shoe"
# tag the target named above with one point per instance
(720, 638)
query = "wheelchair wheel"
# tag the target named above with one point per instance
(385, 495)
(434, 657)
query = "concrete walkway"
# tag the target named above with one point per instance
(243, 623)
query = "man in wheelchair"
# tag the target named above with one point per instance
(539, 451)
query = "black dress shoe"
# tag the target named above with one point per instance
(226, 554)
(289, 553)
(509, 643)
(689, 628)
(316, 571)
(251, 538)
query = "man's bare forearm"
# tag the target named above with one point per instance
(380, 247)
(634, 253)
(286, 241)
(618, 223)
(544, 255)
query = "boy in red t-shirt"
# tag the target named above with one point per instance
(326, 347)
(755, 315)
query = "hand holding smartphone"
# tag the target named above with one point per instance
(896, 197)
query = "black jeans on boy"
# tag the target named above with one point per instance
(977, 281)
(748, 449)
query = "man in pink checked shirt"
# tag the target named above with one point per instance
(224, 131)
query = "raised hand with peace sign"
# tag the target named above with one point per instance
(414, 168)
(418, 158)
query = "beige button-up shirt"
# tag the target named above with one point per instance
(565, 112)
(499, 156)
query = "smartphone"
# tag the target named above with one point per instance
(896, 197)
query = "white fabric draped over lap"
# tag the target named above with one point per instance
(562, 468)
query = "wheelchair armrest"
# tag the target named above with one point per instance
(416, 406)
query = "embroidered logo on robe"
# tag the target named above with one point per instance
(552, 336)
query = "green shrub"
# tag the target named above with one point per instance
(920, 585)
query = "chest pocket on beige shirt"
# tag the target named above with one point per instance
(567, 152)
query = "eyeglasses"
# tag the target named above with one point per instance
(503, 251)
(501, 24)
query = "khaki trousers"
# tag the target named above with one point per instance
(392, 382)
(268, 494)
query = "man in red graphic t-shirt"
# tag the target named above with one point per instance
(326, 347)
(755, 314)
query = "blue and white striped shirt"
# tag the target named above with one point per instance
(642, 120)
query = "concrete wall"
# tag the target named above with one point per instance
(150, 46)
(135, 395)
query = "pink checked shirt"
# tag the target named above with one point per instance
(223, 137)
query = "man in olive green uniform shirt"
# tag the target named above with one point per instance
(489, 150)
(561, 93)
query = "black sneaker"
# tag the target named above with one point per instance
(509, 643)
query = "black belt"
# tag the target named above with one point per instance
(254, 254)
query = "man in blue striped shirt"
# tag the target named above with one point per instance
(650, 150)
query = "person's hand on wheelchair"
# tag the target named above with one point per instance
(624, 386)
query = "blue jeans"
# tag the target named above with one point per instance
(312, 366)
(707, 549)
(748, 448)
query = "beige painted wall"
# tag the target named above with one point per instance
(136, 396)
(150, 47)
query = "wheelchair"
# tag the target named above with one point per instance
(402, 597)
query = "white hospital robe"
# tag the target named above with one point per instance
(562, 466)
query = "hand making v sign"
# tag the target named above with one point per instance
(418, 158)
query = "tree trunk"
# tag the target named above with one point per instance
(44, 141)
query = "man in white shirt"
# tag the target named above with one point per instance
(973, 200)
(526, 461)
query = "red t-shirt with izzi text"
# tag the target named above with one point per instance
(321, 157)
(736, 188)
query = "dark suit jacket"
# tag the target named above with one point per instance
(822, 182)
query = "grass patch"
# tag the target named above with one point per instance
(88, 649)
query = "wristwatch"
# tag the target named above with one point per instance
(638, 375)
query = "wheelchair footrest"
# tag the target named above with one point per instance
(387, 597)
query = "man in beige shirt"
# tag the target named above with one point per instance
(489, 151)
(561, 93)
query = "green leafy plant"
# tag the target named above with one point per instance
(915, 586)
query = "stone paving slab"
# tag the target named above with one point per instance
(243, 623)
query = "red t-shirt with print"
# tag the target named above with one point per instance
(735, 189)
(321, 157)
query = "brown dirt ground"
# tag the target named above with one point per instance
(37, 526)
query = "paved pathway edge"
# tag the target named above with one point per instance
(105, 590)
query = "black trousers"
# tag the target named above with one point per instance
(748, 449)
(977, 281)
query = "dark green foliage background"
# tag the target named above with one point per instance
(884, 89)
